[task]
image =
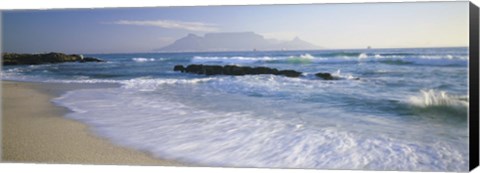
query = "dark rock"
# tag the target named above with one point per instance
(48, 58)
(247, 70)
(325, 76)
(233, 70)
(212, 70)
(265, 70)
(289, 73)
(228, 69)
(90, 59)
(194, 68)
(179, 68)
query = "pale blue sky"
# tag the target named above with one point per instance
(332, 26)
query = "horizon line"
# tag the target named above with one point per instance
(324, 49)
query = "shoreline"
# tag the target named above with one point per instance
(34, 130)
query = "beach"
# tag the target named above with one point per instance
(35, 131)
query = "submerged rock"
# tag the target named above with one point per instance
(47, 58)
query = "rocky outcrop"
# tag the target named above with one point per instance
(325, 76)
(179, 68)
(90, 59)
(48, 58)
(234, 70)
(289, 73)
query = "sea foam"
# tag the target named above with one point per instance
(393, 59)
(438, 98)
(141, 59)
(170, 128)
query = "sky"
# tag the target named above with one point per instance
(330, 26)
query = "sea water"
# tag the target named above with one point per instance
(407, 110)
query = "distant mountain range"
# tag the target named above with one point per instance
(233, 41)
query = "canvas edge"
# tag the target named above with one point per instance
(473, 89)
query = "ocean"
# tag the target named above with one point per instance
(407, 111)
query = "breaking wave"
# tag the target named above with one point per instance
(171, 129)
(140, 59)
(436, 60)
(428, 98)
(441, 106)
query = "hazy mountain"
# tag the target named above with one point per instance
(234, 41)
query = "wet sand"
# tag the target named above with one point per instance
(35, 131)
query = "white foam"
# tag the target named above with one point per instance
(141, 59)
(149, 84)
(432, 97)
(304, 58)
(339, 74)
(173, 130)
(362, 56)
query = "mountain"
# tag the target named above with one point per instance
(233, 41)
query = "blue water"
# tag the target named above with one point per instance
(408, 111)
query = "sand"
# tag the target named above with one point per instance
(35, 131)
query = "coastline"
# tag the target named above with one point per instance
(35, 131)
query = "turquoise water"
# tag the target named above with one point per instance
(408, 111)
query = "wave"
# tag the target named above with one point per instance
(440, 105)
(341, 75)
(302, 59)
(392, 54)
(362, 56)
(149, 84)
(431, 97)
(141, 59)
(172, 129)
(438, 60)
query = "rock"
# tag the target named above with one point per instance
(48, 58)
(194, 68)
(289, 73)
(325, 76)
(265, 70)
(90, 59)
(179, 68)
(212, 70)
(233, 70)
(228, 69)
(243, 71)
